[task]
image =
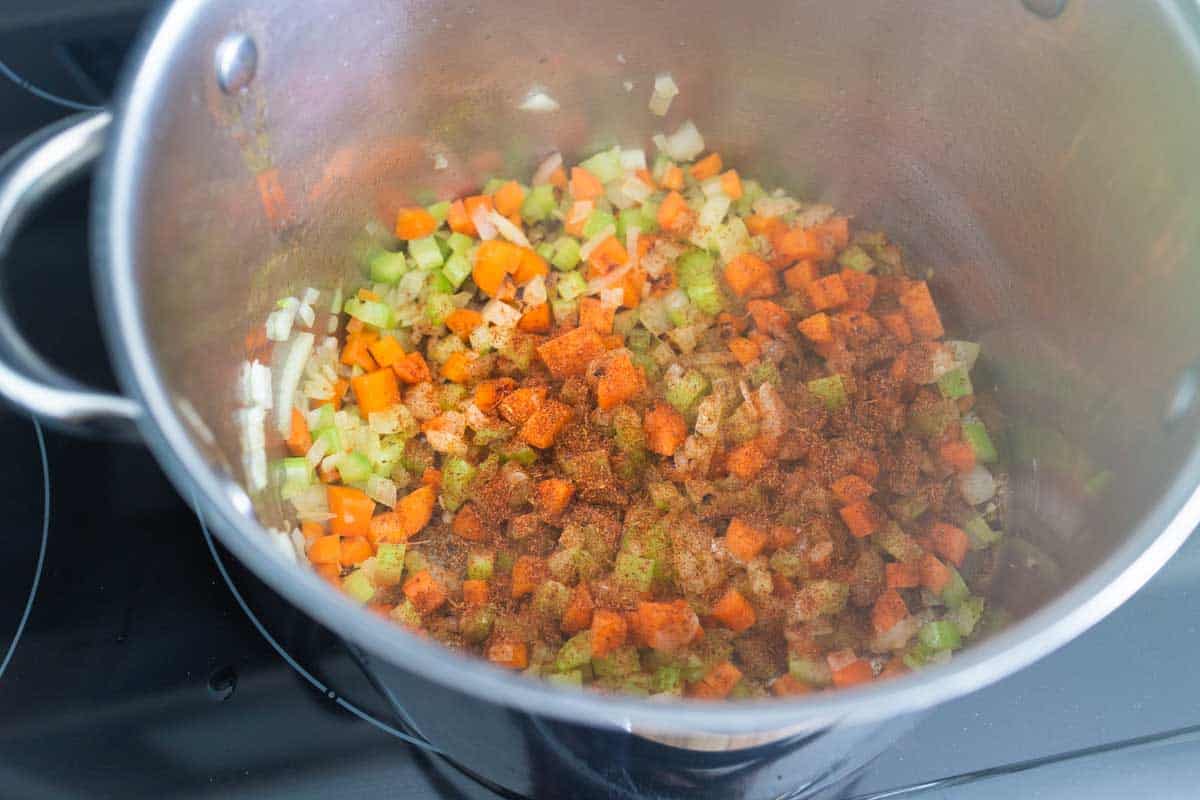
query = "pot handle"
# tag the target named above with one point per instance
(40, 164)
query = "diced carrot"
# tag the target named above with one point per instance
(558, 179)
(425, 591)
(850, 489)
(475, 593)
(468, 525)
(488, 393)
(783, 536)
(356, 352)
(750, 276)
(801, 275)
(949, 542)
(299, 440)
(355, 325)
(462, 321)
(608, 631)
(888, 610)
(673, 213)
(606, 255)
(527, 573)
(801, 243)
(494, 260)
(577, 616)
(476, 202)
(666, 626)
(746, 461)
(934, 574)
(837, 230)
(331, 573)
(355, 550)
(860, 286)
(530, 266)
(743, 540)
(828, 292)
(412, 369)
(553, 495)
(744, 350)
(718, 683)
(633, 284)
(519, 405)
(857, 326)
(508, 198)
(862, 518)
(922, 314)
(325, 550)
(595, 315)
(665, 429)
(431, 477)
(351, 509)
(311, 530)
(897, 325)
(707, 167)
(613, 341)
(759, 225)
(513, 655)
(731, 184)
(544, 425)
(570, 353)
(459, 221)
(375, 391)
(769, 317)
(899, 575)
(340, 386)
(457, 368)
(416, 509)
(856, 672)
(787, 686)
(387, 527)
(672, 178)
(734, 611)
(585, 185)
(536, 319)
(817, 328)
(577, 216)
(621, 382)
(366, 294)
(414, 223)
(386, 351)
(959, 455)
(867, 468)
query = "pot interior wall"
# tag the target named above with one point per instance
(1043, 169)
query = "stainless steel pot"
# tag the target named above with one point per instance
(1044, 166)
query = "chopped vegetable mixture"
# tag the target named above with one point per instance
(643, 428)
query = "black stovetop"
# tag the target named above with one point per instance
(139, 675)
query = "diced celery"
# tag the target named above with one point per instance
(956, 590)
(597, 221)
(605, 165)
(457, 269)
(480, 566)
(732, 239)
(932, 419)
(574, 678)
(476, 623)
(896, 543)
(650, 215)
(813, 671)
(695, 268)
(576, 652)
(439, 210)
(980, 533)
(664, 495)
(977, 436)
(752, 191)
(918, 655)
(666, 680)
(414, 562)
(617, 664)
(389, 563)
(354, 467)
(387, 267)
(439, 283)
(635, 217)
(323, 418)
(358, 586)
(764, 372)
(634, 571)
(965, 353)
(707, 298)
(624, 321)
(438, 307)
(442, 349)
(687, 392)
(460, 243)
(955, 384)
(967, 615)
(638, 340)
(940, 635)
(627, 430)
(539, 204)
(331, 437)
(787, 563)
(504, 565)
(571, 285)
(457, 474)
(545, 250)
(425, 252)
(492, 185)
(371, 312)
(443, 246)
(831, 390)
(550, 598)
(520, 350)
(294, 472)
(910, 507)
(450, 395)
(854, 257)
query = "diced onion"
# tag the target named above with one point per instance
(475, 417)
(316, 453)
(611, 298)
(499, 313)
(381, 490)
(534, 293)
(310, 296)
(977, 486)
(483, 223)
(541, 175)
(897, 636)
(289, 380)
(714, 210)
(775, 206)
(506, 229)
(771, 409)
(813, 215)
(633, 160)
(597, 240)
(440, 162)
(708, 416)
(306, 315)
(665, 91)
(539, 102)
(256, 385)
(279, 321)
(684, 144)
(712, 186)
(631, 244)
(481, 339)
(606, 282)
(252, 425)
(384, 422)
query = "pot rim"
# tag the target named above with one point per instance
(1151, 542)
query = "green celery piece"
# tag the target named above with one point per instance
(521, 453)
(617, 664)
(910, 507)
(438, 307)
(294, 471)
(695, 268)
(324, 416)
(573, 678)
(450, 395)
(707, 298)
(686, 393)
(955, 384)
(358, 586)
(439, 283)
(480, 566)
(457, 474)
(571, 285)
(414, 562)
(977, 436)
(764, 372)
(980, 533)
(460, 243)
(956, 590)
(372, 312)
(627, 430)
(439, 211)
(354, 467)
(476, 623)
(564, 311)
(812, 671)
(457, 269)
(967, 615)
(666, 680)
(752, 191)
(425, 252)
(331, 437)
(387, 267)
(545, 250)
(831, 390)
(918, 655)
(940, 635)
(597, 221)
(576, 652)
(892, 539)
(605, 165)
(566, 254)
(638, 340)
(635, 217)
(389, 563)
(855, 258)
(539, 204)
(504, 565)
(787, 563)
(492, 185)
(634, 571)
(550, 599)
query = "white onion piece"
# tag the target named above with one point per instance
(306, 315)
(611, 298)
(310, 296)
(440, 162)
(631, 244)
(685, 143)
(317, 453)
(506, 229)
(541, 175)
(289, 380)
(712, 186)
(628, 85)
(539, 102)
(633, 160)
(708, 416)
(481, 339)
(771, 409)
(714, 210)
(965, 353)
(665, 91)
(475, 417)
(483, 223)
(279, 321)
(499, 313)
(977, 486)
(775, 206)
(256, 385)
(897, 636)
(606, 282)
(813, 215)
(534, 293)
(252, 424)
(384, 422)
(635, 189)
(594, 242)
(381, 490)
